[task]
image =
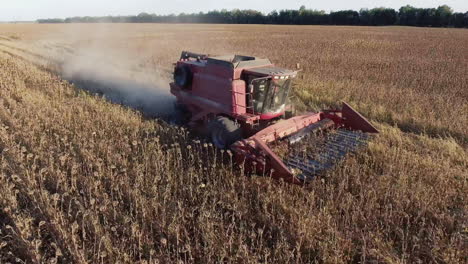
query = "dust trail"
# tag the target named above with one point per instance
(114, 79)
(98, 59)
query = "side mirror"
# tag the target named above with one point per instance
(251, 88)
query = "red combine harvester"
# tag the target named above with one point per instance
(242, 102)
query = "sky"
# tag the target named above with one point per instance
(28, 10)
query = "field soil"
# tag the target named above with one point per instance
(90, 173)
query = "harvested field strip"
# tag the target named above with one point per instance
(24, 51)
(25, 55)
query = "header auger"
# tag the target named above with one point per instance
(241, 102)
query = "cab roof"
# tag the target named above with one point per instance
(271, 71)
(238, 61)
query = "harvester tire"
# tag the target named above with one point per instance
(224, 131)
(183, 76)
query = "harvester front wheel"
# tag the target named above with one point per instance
(223, 132)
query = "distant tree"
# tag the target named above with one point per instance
(456, 20)
(273, 17)
(459, 20)
(144, 18)
(465, 20)
(443, 14)
(426, 17)
(382, 16)
(311, 17)
(406, 15)
(364, 17)
(285, 17)
(347, 17)
(50, 21)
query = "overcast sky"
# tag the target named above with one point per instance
(14, 10)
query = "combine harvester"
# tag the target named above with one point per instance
(242, 103)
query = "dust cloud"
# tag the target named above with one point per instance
(118, 74)
(118, 84)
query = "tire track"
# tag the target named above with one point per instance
(4, 38)
(41, 62)
(39, 65)
(22, 50)
(28, 56)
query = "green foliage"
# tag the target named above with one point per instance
(442, 16)
(50, 21)
(347, 17)
(378, 16)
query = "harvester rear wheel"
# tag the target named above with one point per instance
(224, 131)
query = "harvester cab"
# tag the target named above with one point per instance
(268, 90)
(241, 101)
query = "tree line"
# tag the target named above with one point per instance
(442, 16)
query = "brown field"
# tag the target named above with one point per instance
(83, 180)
